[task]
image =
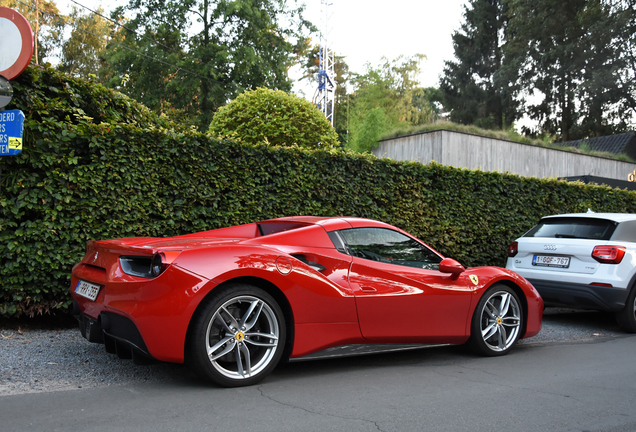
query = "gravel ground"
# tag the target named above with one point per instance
(50, 360)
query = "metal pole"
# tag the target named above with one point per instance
(37, 30)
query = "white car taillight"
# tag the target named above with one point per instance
(608, 254)
(513, 249)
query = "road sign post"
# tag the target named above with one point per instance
(11, 128)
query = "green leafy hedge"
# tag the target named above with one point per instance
(135, 175)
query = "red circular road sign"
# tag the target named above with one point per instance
(16, 43)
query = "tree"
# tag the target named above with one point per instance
(429, 99)
(374, 125)
(570, 52)
(619, 73)
(273, 117)
(600, 91)
(385, 98)
(198, 54)
(476, 86)
(547, 44)
(341, 99)
(82, 53)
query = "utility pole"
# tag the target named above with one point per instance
(37, 30)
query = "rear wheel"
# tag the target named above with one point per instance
(237, 337)
(626, 318)
(497, 321)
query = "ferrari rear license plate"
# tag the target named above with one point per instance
(551, 261)
(86, 289)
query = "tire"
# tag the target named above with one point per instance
(237, 337)
(626, 317)
(497, 322)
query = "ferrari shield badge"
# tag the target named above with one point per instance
(474, 279)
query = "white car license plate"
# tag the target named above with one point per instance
(551, 261)
(88, 290)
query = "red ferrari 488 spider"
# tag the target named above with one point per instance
(233, 302)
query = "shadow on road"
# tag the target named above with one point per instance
(577, 318)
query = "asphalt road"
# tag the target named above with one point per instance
(584, 382)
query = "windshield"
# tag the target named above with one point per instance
(581, 228)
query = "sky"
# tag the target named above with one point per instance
(366, 30)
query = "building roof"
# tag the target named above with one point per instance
(619, 143)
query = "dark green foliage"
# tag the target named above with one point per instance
(77, 180)
(477, 86)
(46, 95)
(573, 61)
(198, 54)
(387, 97)
(574, 55)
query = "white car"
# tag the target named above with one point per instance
(582, 260)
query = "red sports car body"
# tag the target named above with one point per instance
(233, 301)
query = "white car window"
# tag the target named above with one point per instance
(581, 228)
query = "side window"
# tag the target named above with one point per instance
(625, 231)
(388, 246)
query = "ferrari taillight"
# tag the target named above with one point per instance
(513, 249)
(161, 261)
(157, 266)
(608, 254)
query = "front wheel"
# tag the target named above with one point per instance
(626, 318)
(237, 337)
(497, 321)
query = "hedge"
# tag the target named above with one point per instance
(78, 179)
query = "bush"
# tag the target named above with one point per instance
(46, 95)
(273, 117)
(370, 133)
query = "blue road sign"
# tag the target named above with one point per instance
(11, 127)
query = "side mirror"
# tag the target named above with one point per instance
(449, 265)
